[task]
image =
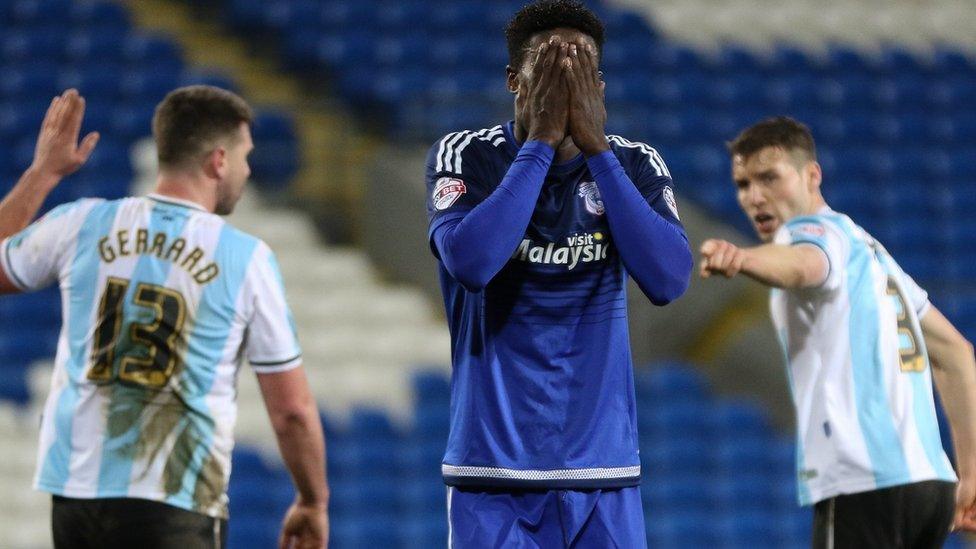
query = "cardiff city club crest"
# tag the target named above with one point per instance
(591, 197)
(447, 191)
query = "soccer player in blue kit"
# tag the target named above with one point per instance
(536, 224)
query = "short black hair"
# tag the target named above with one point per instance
(780, 131)
(547, 15)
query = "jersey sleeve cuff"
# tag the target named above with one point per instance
(276, 366)
(924, 309)
(602, 163)
(8, 269)
(538, 148)
(823, 249)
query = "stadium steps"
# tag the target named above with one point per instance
(870, 25)
(333, 150)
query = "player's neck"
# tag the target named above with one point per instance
(816, 204)
(188, 187)
(566, 151)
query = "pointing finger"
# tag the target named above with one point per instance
(703, 269)
(708, 247)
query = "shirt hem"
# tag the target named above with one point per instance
(864, 485)
(127, 495)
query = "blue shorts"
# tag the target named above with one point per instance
(553, 519)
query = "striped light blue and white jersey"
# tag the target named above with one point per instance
(161, 301)
(858, 367)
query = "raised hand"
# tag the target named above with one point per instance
(587, 112)
(719, 256)
(548, 93)
(58, 153)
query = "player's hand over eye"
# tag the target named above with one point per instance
(549, 93)
(58, 153)
(965, 517)
(305, 527)
(721, 257)
(587, 111)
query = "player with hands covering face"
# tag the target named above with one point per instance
(536, 224)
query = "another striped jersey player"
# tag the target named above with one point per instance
(161, 301)
(858, 366)
(542, 390)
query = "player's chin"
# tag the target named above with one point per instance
(766, 234)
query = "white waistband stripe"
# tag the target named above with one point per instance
(530, 474)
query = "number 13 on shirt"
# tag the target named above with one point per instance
(149, 355)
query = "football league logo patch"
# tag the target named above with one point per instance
(808, 229)
(447, 191)
(590, 194)
(669, 200)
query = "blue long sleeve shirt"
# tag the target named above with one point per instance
(533, 259)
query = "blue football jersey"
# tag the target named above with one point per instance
(542, 388)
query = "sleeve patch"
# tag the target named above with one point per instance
(808, 229)
(447, 191)
(670, 201)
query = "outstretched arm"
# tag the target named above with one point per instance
(954, 372)
(295, 419)
(56, 155)
(777, 265)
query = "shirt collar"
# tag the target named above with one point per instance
(177, 201)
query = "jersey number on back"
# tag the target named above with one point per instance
(149, 353)
(911, 357)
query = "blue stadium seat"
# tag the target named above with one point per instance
(159, 52)
(208, 77)
(39, 12)
(399, 17)
(431, 387)
(896, 60)
(36, 44)
(458, 17)
(953, 61)
(253, 532)
(102, 46)
(671, 383)
(275, 159)
(732, 418)
(790, 59)
(13, 384)
(785, 92)
(148, 85)
(288, 16)
(346, 14)
(29, 81)
(100, 16)
(132, 120)
(95, 83)
(844, 60)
